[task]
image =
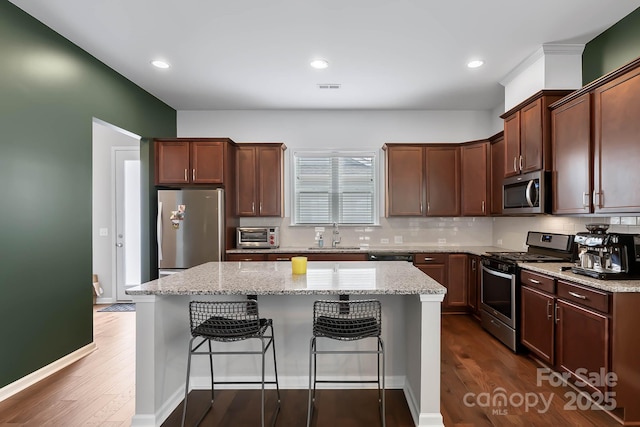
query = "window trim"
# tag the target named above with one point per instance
(328, 154)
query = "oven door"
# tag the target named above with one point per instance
(498, 295)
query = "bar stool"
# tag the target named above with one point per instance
(228, 321)
(346, 321)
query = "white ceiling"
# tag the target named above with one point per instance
(385, 54)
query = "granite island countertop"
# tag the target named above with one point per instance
(275, 278)
(553, 269)
(390, 249)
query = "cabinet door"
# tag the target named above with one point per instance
(475, 179)
(497, 175)
(443, 181)
(512, 144)
(473, 280)
(617, 151)
(457, 287)
(269, 161)
(537, 323)
(172, 162)
(405, 176)
(207, 162)
(531, 137)
(246, 181)
(572, 158)
(582, 341)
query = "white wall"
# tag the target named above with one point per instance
(353, 130)
(105, 137)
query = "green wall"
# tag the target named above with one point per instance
(49, 92)
(612, 49)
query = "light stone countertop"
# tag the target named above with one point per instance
(474, 250)
(553, 269)
(275, 278)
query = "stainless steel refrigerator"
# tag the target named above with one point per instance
(190, 228)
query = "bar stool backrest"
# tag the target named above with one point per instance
(225, 320)
(347, 320)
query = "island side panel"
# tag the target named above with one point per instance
(422, 387)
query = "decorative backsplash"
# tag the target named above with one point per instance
(505, 232)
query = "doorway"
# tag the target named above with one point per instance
(127, 219)
(111, 146)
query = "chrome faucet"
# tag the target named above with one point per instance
(335, 236)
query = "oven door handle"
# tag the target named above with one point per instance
(497, 273)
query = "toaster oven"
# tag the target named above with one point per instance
(257, 237)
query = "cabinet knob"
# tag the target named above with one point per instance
(515, 164)
(483, 206)
(193, 174)
(521, 162)
(549, 310)
(186, 177)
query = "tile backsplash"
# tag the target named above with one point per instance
(506, 232)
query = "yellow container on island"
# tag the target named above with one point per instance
(299, 265)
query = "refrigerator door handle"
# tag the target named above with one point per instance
(159, 231)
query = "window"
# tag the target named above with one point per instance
(334, 187)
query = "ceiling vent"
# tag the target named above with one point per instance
(328, 86)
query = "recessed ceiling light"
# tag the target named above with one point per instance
(319, 64)
(160, 64)
(475, 64)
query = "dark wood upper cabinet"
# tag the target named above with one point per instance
(572, 171)
(475, 179)
(497, 172)
(207, 162)
(405, 180)
(527, 134)
(185, 161)
(259, 170)
(443, 180)
(172, 162)
(617, 149)
(595, 146)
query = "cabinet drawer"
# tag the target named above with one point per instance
(538, 281)
(246, 257)
(588, 297)
(427, 258)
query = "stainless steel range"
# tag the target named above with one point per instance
(500, 285)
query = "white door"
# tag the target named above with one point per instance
(127, 220)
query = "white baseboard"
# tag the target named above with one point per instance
(105, 300)
(42, 373)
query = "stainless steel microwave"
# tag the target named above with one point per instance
(527, 194)
(257, 237)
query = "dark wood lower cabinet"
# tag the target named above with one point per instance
(537, 330)
(582, 342)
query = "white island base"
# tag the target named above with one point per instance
(411, 333)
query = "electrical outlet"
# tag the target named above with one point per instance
(397, 240)
(384, 241)
(442, 241)
(499, 242)
(628, 220)
(614, 220)
(319, 229)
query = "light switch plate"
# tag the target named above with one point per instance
(614, 220)
(319, 229)
(104, 232)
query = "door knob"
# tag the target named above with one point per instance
(119, 245)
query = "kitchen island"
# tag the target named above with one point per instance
(410, 327)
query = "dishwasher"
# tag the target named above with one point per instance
(391, 257)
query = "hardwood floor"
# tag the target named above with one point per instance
(99, 390)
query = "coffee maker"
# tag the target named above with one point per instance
(607, 256)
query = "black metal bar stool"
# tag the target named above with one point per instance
(346, 321)
(229, 321)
